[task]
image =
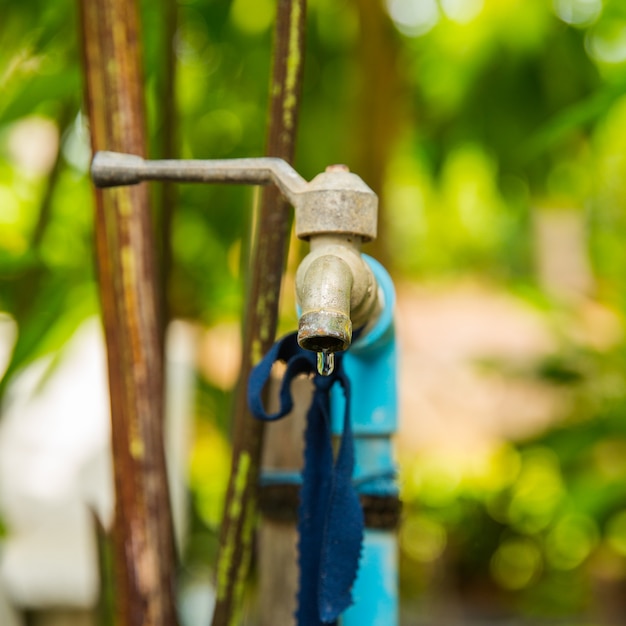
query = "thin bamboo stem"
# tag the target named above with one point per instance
(267, 263)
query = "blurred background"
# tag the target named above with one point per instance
(494, 132)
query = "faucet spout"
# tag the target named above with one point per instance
(336, 292)
(324, 293)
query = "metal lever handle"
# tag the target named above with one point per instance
(113, 169)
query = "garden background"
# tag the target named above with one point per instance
(494, 132)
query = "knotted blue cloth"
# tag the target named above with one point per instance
(330, 522)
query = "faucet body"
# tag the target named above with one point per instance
(335, 288)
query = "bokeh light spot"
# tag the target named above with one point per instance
(413, 18)
(578, 12)
(537, 492)
(516, 563)
(606, 42)
(570, 541)
(422, 538)
(252, 16)
(462, 11)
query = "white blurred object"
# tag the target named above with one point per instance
(197, 601)
(33, 144)
(9, 616)
(54, 466)
(181, 345)
(56, 471)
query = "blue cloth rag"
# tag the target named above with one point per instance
(330, 525)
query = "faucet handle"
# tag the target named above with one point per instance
(334, 202)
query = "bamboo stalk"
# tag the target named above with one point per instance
(268, 261)
(142, 533)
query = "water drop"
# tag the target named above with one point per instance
(325, 363)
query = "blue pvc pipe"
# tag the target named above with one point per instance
(371, 364)
(375, 591)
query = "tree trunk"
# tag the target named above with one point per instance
(142, 534)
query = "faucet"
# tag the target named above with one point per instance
(335, 288)
(336, 212)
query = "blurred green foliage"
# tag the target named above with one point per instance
(491, 112)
